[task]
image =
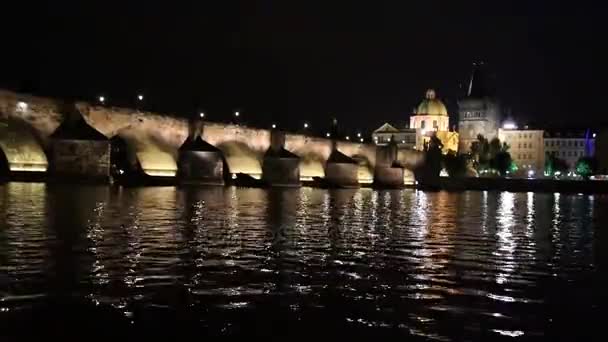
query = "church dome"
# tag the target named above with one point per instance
(431, 105)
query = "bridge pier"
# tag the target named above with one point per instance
(388, 173)
(280, 167)
(340, 170)
(79, 152)
(198, 161)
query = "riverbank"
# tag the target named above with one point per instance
(518, 185)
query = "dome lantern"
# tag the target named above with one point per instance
(431, 105)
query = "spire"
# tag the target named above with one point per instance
(477, 86)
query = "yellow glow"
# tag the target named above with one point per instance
(310, 169)
(160, 173)
(21, 149)
(157, 163)
(28, 168)
(364, 175)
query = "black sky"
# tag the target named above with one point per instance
(291, 61)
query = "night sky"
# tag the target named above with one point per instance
(290, 61)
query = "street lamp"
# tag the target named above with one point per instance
(274, 126)
(358, 135)
(327, 135)
(236, 114)
(305, 125)
(140, 97)
(102, 99)
(201, 114)
(347, 137)
(361, 140)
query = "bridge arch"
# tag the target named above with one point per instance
(241, 158)
(22, 149)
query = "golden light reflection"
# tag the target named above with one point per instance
(28, 168)
(506, 243)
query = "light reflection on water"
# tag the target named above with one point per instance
(437, 265)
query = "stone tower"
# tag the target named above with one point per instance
(478, 112)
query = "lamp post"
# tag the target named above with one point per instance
(140, 100)
(101, 99)
(274, 126)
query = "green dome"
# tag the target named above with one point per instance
(431, 105)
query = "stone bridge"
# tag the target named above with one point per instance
(27, 122)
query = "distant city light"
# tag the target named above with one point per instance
(201, 114)
(509, 125)
(305, 125)
(237, 114)
(22, 106)
(594, 134)
(347, 137)
(274, 126)
(102, 99)
(327, 135)
(140, 97)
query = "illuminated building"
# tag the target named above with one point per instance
(404, 138)
(526, 148)
(569, 145)
(431, 118)
(478, 111)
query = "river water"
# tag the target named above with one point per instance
(300, 263)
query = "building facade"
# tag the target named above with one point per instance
(569, 146)
(404, 138)
(527, 149)
(479, 113)
(602, 151)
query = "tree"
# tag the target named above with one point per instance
(502, 162)
(554, 164)
(455, 164)
(433, 155)
(586, 166)
(491, 155)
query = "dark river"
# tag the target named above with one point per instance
(90, 261)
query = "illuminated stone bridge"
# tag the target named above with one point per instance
(27, 124)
